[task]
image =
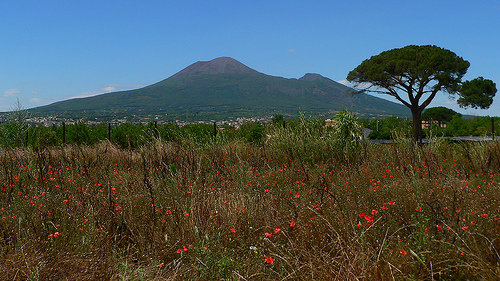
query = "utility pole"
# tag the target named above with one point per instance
(215, 130)
(493, 128)
(64, 132)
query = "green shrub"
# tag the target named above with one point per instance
(252, 132)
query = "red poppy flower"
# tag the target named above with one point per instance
(402, 251)
(292, 224)
(269, 260)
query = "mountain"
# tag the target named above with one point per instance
(224, 65)
(224, 88)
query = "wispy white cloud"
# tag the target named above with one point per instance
(345, 83)
(351, 85)
(11, 92)
(108, 88)
(120, 87)
(85, 95)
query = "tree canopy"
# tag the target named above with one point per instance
(476, 93)
(421, 72)
(440, 113)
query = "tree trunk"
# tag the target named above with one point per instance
(417, 124)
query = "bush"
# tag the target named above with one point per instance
(252, 132)
(347, 136)
(44, 137)
(14, 132)
(129, 136)
(310, 141)
(384, 128)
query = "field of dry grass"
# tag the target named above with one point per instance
(235, 211)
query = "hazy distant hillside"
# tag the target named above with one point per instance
(224, 88)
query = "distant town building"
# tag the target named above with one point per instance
(426, 124)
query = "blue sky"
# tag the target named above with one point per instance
(58, 49)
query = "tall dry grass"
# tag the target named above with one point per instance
(221, 211)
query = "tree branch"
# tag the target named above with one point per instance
(393, 93)
(421, 88)
(429, 99)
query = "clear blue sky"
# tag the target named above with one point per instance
(53, 50)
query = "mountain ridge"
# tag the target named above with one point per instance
(222, 65)
(223, 88)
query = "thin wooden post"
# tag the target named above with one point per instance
(64, 133)
(493, 128)
(215, 130)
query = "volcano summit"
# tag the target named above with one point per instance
(225, 88)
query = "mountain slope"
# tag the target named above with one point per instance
(223, 88)
(220, 65)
